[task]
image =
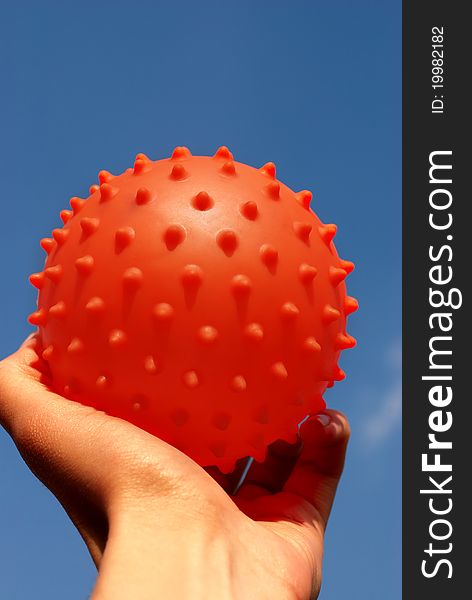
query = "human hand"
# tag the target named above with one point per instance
(156, 524)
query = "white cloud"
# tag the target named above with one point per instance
(385, 420)
(378, 426)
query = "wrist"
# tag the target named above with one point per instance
(166, 555)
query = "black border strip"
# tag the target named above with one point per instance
(425, 246)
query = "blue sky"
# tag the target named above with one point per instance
(313, 86)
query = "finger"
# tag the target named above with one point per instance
(319, 467)
(271, 475)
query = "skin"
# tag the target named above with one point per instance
(157, 525)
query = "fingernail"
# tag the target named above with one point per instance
(324, 419)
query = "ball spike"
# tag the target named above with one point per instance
(241, 286)
(85, 264)
(38, 318)
(107, 192)
(89, 225)
(302, 231)
(336, 275)
(192, 276)
(190, 379)
(304, 198)
(254, 332)
(202, 201)
(268, 169)
(37, 280)
(218, 449)
(178, 172)
(228, 168)
(249, 210)
(105, 176)
(279, 370)
(117, 338)
(311, 345)
(58, 310)
(273, 190)
(47, 244)
(257, 442)
(238, 384)
(221, 420)
(150, 365)
(207, 334)
(307, 273)
(330, 314)
(54, 273)
(163, 312)
(344, 341)
(289, 311)
(95, 306)
(143, 196)
(76, 204)
(223, 153)
(174, 235)
(261, 415)
(123, 238)
(132, 279)
(227, 240)
(60, 235)
(327, 233)
(181, 152)
(141, 164)
(102, 382)
(347, 265)
(350, 305)
(269, 255)
(66, 216)
(48, 352)
(75, 346)
(179, 417)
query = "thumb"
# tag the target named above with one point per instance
(318, 469)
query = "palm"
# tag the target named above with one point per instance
(292, 550)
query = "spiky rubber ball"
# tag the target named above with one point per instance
(198, 298)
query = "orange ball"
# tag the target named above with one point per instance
(198, 298)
